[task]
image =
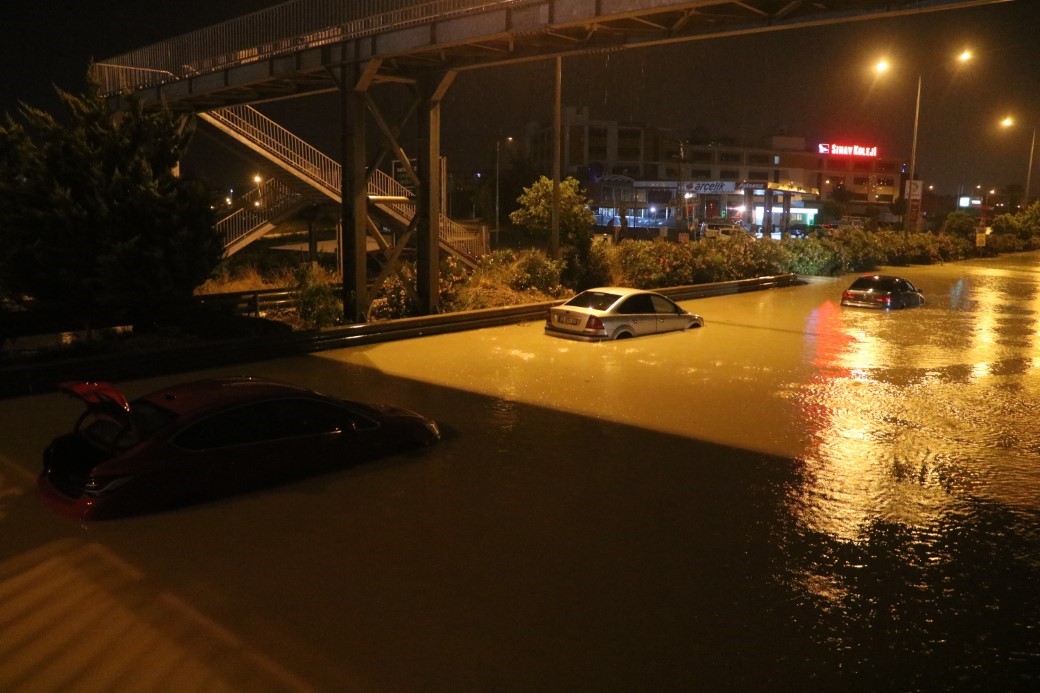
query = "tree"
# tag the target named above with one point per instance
(585, 265)
(93, 216)
(960, 224)
(839, 199)
(536, 203)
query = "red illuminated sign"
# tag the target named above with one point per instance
(848, 150)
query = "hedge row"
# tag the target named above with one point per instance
(508, 276)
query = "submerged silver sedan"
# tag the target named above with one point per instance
(614, 312)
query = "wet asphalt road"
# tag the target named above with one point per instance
(797, 497)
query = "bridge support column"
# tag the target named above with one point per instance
(767, 213)
(354, 213)
(785, 223)
(432, 89)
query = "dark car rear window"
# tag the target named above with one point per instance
(877, 283)
(597, 300)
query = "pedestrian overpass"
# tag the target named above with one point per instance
(417, 48)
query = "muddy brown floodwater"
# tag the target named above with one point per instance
(797, 497)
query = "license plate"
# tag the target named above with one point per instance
(567, 319)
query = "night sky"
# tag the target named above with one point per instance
(817, 83)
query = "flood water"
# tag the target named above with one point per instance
(797, 496)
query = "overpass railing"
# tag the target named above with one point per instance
(280, 30)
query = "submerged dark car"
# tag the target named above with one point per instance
(882, 291)
(210, 438)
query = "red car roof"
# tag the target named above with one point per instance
(217, 393)
(201, 395)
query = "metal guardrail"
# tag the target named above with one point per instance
(29, 379)
(251, 303)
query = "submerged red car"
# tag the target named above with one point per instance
(211, 438)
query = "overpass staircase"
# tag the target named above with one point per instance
(276, 199)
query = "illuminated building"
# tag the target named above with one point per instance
(641, 170)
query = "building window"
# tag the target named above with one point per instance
(887, 167)
(758, 175)
(885, 198)
(700, 157)
(734, 157)
(700, 174)
(885, 182)
(861, 180)
(729, 174)
(758, 158)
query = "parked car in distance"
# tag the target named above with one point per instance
(208, 439)
(882, 291)
(714, 230)
(614, 312)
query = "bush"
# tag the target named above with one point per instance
(811, 256)
(318, 303)
(855, 249)
(534, 271)
(393, 300)
(585, 264)
(960, 224)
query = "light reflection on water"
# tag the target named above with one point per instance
(920, 423)
(796, 497)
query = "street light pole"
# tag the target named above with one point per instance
(498, 148)
(1007, 123)
(917, 118)
(498, 144)
(910, 218)
(1029, 170)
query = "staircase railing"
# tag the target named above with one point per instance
(274, 141)
(258, 207)
(324, 173)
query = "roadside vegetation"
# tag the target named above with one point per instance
(512, 276)
(97, 229)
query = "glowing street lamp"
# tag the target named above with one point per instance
(1009, 122)
(882, 67)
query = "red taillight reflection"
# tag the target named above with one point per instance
(846, 294)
